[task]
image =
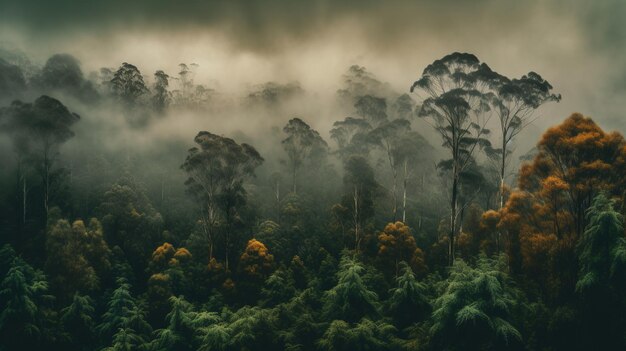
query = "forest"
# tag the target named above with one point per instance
(147, 210)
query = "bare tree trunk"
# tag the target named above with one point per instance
(277, 196)
(355, 217)
(208, 227)
(404, 194)
(395, 195)
(46, 184)
(453, 216)
(295, 173)
(24, 193)
(502, 173)
(162, 193)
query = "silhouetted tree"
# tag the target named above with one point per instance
(162, 97)
(217, 170)
(302, 142)
(456, 105)
(128, 84)
(514, 102)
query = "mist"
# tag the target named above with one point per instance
(189, 139)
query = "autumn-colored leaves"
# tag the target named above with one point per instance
(545, 216)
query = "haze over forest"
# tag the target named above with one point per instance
(312, 175)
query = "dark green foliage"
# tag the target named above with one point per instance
(125, 339)
(279, 288)
(127, 84)
(365, 335)
(295, 259)
(130, 222)
(123, 312)
(37, 131)
(602, 257)
(351, 299)
(78, 323)
(62, 72)
(474, 311)
(78, 257)
(179, 332)
(408, 302)
(23, 296)
(162, 97)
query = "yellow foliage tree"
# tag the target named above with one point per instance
(397, 244)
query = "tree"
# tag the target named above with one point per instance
(364, 335)
(408, 302)
(166, 256)
(475, 310)
(582, 155)
(62, 72)
(360, 189)
(185, 77)
(456, 105)
(272, 94)
(131, 222)
(128, 85)
(123, 313)
(38, 130)
(301, 144)
(403, 107)
(217, 170)
(77, 257)
(602, 255)
(545, 217)
(410, 154)
(78, 323)
(386, 137)
(23, 296)
(350, 300)
(255, 265)
(279, 288)
(372, 108)
(351, 136)
(514, 102)
(162, 97)
(125, 339)
(179, 333)
(358, 82)
(395, 245)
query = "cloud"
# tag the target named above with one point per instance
(579, 46)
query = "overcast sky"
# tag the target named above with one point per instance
(577, 45)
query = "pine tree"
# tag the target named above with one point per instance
(126, 340)
(408, 302)
(22, 301)
(365, 335)
(602, 257)
(351, 299)
(78, 323)
(279, 288)
(123, 313)
(475, 310)
(179, 333)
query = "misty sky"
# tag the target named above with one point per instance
(579, 46)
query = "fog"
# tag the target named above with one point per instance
(241, 45)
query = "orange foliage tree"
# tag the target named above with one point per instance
(397, 244)
(170, 276)
(545, 216)
(256, 262)
(255, 265)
